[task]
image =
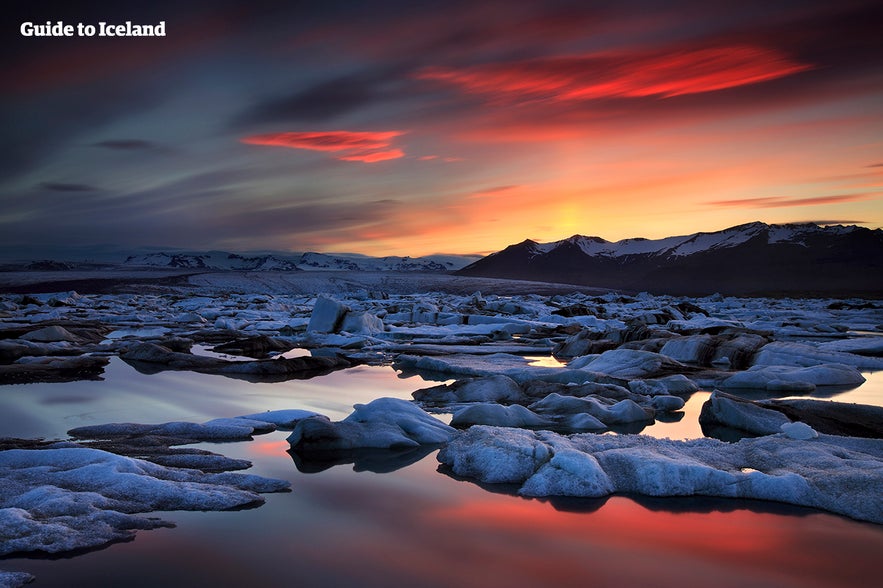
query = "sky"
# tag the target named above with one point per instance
(411, 128)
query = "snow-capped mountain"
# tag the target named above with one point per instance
(221, 260)
(750, 258)
(218, 260)
(353, 262)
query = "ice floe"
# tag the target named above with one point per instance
(789, 353)
(61, 499)
(764, 417)
(838, 474)
(382, 423)
(779, 378)
(629, 364)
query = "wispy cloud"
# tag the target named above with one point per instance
(65, 187)
(492, 191)
(783, 201)
(367, 147)
(125, 144)
(619, 74)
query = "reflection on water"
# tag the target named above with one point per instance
(126, 395)
(543, 361)
(381, 519)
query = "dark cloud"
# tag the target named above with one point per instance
(126, 144)
(64, 187)
(324, 101)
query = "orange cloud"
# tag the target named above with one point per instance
(609, 75)
(367, 147)
(781, 201)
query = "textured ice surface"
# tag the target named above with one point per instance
(628, 364)
(14, 579)
(56, 500)
(731, 412)
(285, 418)
(839, 474)
(801, 354)
(222, 430)
(382, 423)
(778, 377)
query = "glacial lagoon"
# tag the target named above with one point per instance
(418, 526)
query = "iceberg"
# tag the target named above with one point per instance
(843, 475)
(382, 423)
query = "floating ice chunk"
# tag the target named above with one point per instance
(513, 366)
(50, 334)
(840, 474)
(382, 423)
(728, 411)
(628, 411)
(606, 411)
(569, 473)
(14, 579)
(416, 423)
(495, 455)
(799, 431)
(699, 323)
(693, 349)
(803, 355)
(221, 431)
(498, 415)
(141, 333)
(284, 419)
(581, 421)
(327, 315)
(859, 346)
(832, 418)
(230, 323)
(496, 388)
(777, 377)
(663, 403)
(361, 322)
(675, 384)
(630, 364)
(56, 500)
(258, 427)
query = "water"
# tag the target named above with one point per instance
(417, 526)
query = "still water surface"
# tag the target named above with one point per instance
(416, 526)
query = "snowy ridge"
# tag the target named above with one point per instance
(696, 243)
(753, 258)
(354, 262)
(211, 260)
(222, 260)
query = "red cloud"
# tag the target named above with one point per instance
(368, 147)
(373, 156)
(631, 75)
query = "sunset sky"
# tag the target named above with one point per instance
(409, 128)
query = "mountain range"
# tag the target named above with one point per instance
(750, 259)
(222, 260)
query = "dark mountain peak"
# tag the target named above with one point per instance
(752, 258)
